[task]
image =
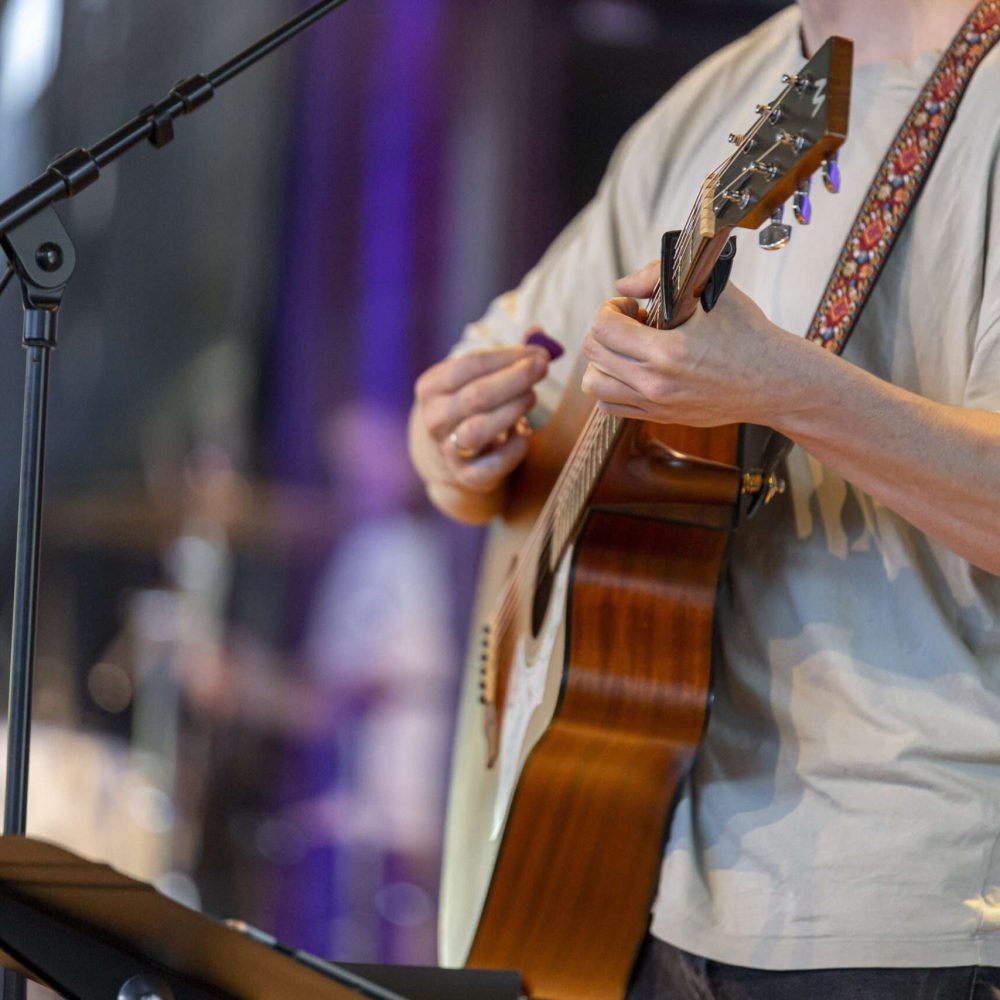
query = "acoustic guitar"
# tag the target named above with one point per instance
(588, 675)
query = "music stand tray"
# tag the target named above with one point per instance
(91, 933)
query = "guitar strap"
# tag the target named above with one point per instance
(893, 194)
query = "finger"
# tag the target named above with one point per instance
(493, 391)
(617, 327)
(622, 410)
(485, 473)
(642, 283)
(609, 389)
(619, 366)
(478, 432)
(455, 372)
(442, 413)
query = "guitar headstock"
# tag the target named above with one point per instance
(795, 135)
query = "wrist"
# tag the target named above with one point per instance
(461, 504)
(804, 377)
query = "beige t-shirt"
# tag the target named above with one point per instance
(844, 809)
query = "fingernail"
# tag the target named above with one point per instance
(536, 338)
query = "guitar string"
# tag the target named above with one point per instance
(752, 133)
(684, 244)
(552, 523)
(684, 258)
(590, 440)
(686, 241)
(599, 433)
(748, 170)
(543, 531)
(600, 425)
(568, 485)
(553, 518)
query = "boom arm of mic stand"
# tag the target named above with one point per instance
(78, 169)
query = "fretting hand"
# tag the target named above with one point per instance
(732, 365)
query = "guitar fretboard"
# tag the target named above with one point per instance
(586, 464)
(581, 475)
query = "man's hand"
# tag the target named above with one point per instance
(464, 437)
(717, 369)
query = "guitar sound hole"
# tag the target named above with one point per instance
(543, 590)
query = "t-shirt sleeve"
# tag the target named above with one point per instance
(579, 270)
(617, 232)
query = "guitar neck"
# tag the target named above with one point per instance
(580, 477)
(774, 160)
(698, 248)
(696, 251)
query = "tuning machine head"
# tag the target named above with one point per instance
(831, 174)
(772, 112)
(803, 203)
(776, 234)
(800, 81)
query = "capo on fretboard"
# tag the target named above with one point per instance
(716, 283)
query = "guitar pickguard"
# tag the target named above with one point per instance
(525, 693)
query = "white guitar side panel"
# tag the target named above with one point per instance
(479, 798)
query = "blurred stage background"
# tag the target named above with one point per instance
(251, 623)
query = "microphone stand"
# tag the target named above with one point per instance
(42, 257)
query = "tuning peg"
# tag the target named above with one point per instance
(741, 198)
(746, 143)
(775, 235)
(797, 142)
(803, 203)
(831, 174)
(800, 83)
(768, 170)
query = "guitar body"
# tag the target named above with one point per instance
(555, 835)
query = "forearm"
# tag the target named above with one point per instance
(934, 465)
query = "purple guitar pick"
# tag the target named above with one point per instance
(537, 338)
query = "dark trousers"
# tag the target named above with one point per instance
(667, 973)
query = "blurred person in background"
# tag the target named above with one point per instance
(378, 645)
(365, 702)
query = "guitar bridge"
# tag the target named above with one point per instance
(488, 692)
(487, 667)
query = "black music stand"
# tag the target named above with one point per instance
(90, 933)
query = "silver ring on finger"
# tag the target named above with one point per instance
(463, 453)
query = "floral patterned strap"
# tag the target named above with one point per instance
(886, 208)
(900, 180)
